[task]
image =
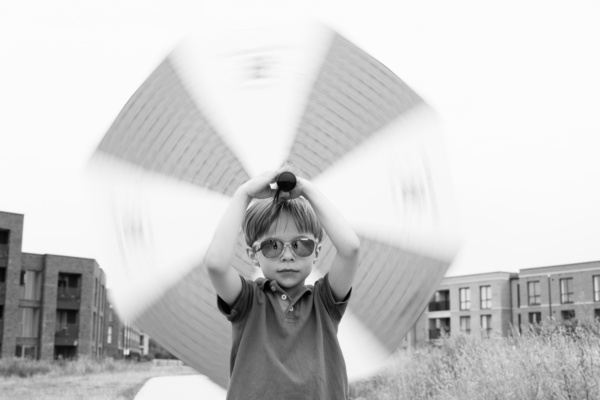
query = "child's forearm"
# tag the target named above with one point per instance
(340, 232)
(220, 252)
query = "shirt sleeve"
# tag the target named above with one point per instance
(336, 309)
(241, 306)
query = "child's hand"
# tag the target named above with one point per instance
(259, 187)
(301, 185)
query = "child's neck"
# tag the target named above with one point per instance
(293, 291)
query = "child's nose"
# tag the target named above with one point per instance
(287, 253)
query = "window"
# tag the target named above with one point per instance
(2, 274)
(518, 295)
(566, 290)
(68, 280)
(109, 335)
(96, 293)
(486, 325)
(596, 280)
(110, 313)
(465, 324)
(464, 295)
(597, 313)
(4, 236)
(94, 322)
(567, 315)
(100, 329)
(1, 314)
(31, 285)
(23, 351)
(535, 318)
(486, 297)
(534, 293)
(30, 322)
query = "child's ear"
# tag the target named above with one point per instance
(252, 255)
(317, 251)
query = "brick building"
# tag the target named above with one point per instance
(123, 340)
(50, 306)
(494, 302)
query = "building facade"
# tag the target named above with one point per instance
(123, 339)
(493, 303)
(50, 306)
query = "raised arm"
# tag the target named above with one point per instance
(347, 244)
(219, 255)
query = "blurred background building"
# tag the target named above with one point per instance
(55, 306)
(493, 303)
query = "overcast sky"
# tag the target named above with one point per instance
(515, 84)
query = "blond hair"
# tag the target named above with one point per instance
(263, 213)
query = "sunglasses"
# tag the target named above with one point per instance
(301, 247)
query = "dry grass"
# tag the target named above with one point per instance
(545, 363)
(82, 379)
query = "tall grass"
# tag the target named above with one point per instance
(24, 368)
(546, 362)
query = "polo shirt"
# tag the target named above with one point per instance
(286, 349)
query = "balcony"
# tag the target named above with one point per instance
(68, 294)
(438, 333)
(66, 335)
(68, 298)
(443, 305)
(67, 330)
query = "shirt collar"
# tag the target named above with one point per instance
(267, 284)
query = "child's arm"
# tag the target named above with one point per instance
(223, 276)
(345, 264)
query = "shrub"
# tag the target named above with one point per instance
(79, 366)
(548, 362)
(23, 367)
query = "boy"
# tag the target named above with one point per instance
(284, 332)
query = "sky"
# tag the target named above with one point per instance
(514, 83)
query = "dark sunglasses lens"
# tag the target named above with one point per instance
(303, 247)
(271, 248)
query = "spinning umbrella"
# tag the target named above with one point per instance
(219, 110)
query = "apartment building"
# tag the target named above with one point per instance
(567, 293)
(123, 339)
(50, 306)
(482, 304)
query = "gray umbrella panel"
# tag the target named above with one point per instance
(354, 96)
(162, 130)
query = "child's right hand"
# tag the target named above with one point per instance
(259, 187)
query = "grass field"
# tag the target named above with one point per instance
(81, 379)
(546, 362)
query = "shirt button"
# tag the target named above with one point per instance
(272, 288)
(283, 296)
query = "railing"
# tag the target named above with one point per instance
(68, 294)
(439, 305)
(438, 333)
(67, 331)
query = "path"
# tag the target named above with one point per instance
(186, 387)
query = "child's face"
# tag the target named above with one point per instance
(288, 269)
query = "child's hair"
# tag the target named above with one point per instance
(263, 213)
